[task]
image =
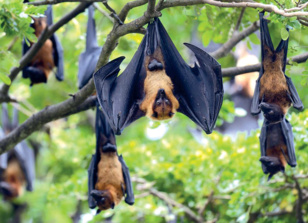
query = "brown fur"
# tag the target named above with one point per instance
(276, 152)
(14, 176)
(154, 81)
(43, 58)
(110, 179)
(273, 85)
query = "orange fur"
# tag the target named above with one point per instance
(14, 176)
(273, 85)
(110, 179)
(276, 152)
(43, 58)
(154, 81)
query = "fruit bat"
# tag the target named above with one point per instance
(157, 83)
(89, 58)
(17, 166)
(274, 94)
(49, 56)
(108, 175)
(272, 73)
(276, 141)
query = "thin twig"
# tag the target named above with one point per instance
(113, 12)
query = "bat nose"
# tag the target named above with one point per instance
(161, 92)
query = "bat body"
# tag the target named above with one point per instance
(274, 94)
(49, 56)
(17, 166)
(88, 59)
(109, 179)
(157, 83)
(276, 141)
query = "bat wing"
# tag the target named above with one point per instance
(296, 101)
(26, 159)
(288, 135)
(57, 47)
(6, 123)
(4, 156)
(120, 96)
(265, 41)
(262, 138)
(198, 89)
(89, 58)
(92, 178)
(129, 198)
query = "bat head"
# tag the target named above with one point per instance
(162, 106)
(104, 199)
(7, 190)
(39, 24)
(273, 165)
(271, 112)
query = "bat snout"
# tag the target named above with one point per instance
(162, 107)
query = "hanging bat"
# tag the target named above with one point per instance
(89, 58)
(274, 94)
(49, 56)
(157, 83)
(108, 175)
(276, 141)
(272, 73)
(17, 166)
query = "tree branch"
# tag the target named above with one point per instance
(47, 33)
(227, 47)
(54, 2)
(233, 71)
(129, 6)
(235, 4)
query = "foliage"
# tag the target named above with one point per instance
(187, 167)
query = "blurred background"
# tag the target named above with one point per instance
(179, 173)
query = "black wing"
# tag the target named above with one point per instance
(120, 96)
(198, 89)
(265, 41)
(5, 118)
(288, 135)
(4, 156)
(129, 198)
(89, 58)
(262, 138)
(26, 159)
(57, 47)
(92, 178)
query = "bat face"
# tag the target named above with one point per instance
(160, 102)
(273, 165)
(104, 199)
(272, 112)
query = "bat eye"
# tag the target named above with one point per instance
(158, 103)
(271, 112)
(103, 200)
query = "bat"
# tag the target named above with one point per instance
(89, 58)
(276, 139)
(49, 56)
(272, 73)
(17, 166)
(108, 176)
(157, 83)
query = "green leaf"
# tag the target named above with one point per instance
(5, 79)
(284, 34)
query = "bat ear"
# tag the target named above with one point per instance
(270, 177)
(112, 206)
(98, 211)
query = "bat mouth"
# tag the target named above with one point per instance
(155, 65)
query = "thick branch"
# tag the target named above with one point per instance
(235, 4)
(226, 47)
(129, 6)
(47, 33)
(233, 71)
